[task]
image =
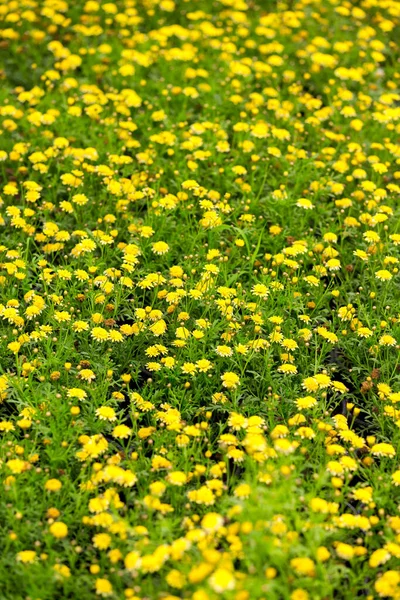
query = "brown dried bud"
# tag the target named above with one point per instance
(366, 386)
(375, 373)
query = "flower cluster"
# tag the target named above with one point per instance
(199, 299)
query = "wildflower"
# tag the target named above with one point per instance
(379, 557)
(287, 369)
(303, 566)
(59, 529)
(371, 237)
(103, 587)
(312, 280)
(53, 485)
(99, 334)
(383, 449)
(76, 393)
(121, 432)
(224, 351)
(260, 290)
(323, 554)
(160, 247)
(80, 199)
(132, 561)
(203, 365)
(222, 580)
(387, 584)
(305, 433)
(344, 551)
(299, 594)
(158, 328)
(305, 203)
(383, 275)
(177, 478)
(387, 340)
(101, 541)
(110, 249)
(396, 478)
(212, 522)
(395, 237)
(202, 496)
(14, 347)
(63, 571)
(333, 264)
(242, 491)
(17, 466)
(339, 387)
(80, 326)
(361, 254)
(115, 336)
(26, 556)
(230, 380)
(323, 380)
(189, 368)
(364, 332)
(87, 375)
(106, 413)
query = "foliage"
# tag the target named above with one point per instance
(199, 299)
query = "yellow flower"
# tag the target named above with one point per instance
(189, 368)
(59, 530)
(103, 587)
(287, 369)
(364, 332)
(177, 478)
(87, 375)
(101, 541)
(383, 449)
(242, 491)
(333, 264)
(222, 580)
(323, 554)
(202, 496)
(383, 275)
(160, 247)
(260, 290)
(387, 340)
(212, 522)
(224, 351)
(16, 465)
(175, 579)
(387, 585)
(203, 365)
(26, 556)
(305, 203)
(303, 566)
(62, 570)
(121, 432)
(14, 347)
(344, 551)
(99, 334)
(158, 328)
(379, 557)
(53, 485)
(106, 413)
(76, 393)
(230, 380)
(371, 237)
(132, 561)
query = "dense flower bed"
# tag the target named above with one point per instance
(199, 299)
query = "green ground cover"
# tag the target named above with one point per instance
(199, 301)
